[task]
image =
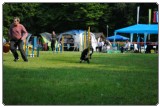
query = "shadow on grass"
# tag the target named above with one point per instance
(78, 86)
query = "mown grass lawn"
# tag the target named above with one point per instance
(59, 79)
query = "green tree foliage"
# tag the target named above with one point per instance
(26, 12)
(45, 17)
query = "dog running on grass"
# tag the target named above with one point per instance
(85, 54)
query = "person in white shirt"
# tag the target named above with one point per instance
(100, 43)
(125, 47)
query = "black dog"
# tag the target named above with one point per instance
(85, 54)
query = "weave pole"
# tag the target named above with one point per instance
(85, 40)
(62, 43)
(38, 47)
(89, 37)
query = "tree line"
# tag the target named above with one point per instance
(46, 17)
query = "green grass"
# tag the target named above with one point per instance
(59, 79)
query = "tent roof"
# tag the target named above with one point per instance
(140, 28)
(74, 32)
(46, 35)
(117, 37)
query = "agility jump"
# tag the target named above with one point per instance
(75, 40)
(32, 49)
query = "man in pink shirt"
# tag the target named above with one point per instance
(17, 33)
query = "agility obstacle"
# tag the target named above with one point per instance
(80, 43)
(32, 49)
(89, 41)
(58, 46)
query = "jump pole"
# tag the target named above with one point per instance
(38, 47)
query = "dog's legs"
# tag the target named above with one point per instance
(90, 56)
(87, 60)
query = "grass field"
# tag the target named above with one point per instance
(59, 79)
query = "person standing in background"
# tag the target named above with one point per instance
(53, 40)
(100, 43)
(17, 33)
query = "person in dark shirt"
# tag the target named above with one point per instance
(53, 40)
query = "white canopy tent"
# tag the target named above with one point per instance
(78, 36)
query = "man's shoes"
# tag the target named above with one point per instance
(15, 60)
(25, 60)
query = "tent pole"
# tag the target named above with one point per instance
(107, 30)
(131, 38)
(145, 39)
(138, 9)
(115, 33)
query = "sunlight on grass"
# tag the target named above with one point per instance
(59, 79)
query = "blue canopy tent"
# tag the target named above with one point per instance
(139, 29)
(117, 38)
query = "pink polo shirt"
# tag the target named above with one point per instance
(17, 32)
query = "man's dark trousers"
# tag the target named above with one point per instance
(13, 46)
